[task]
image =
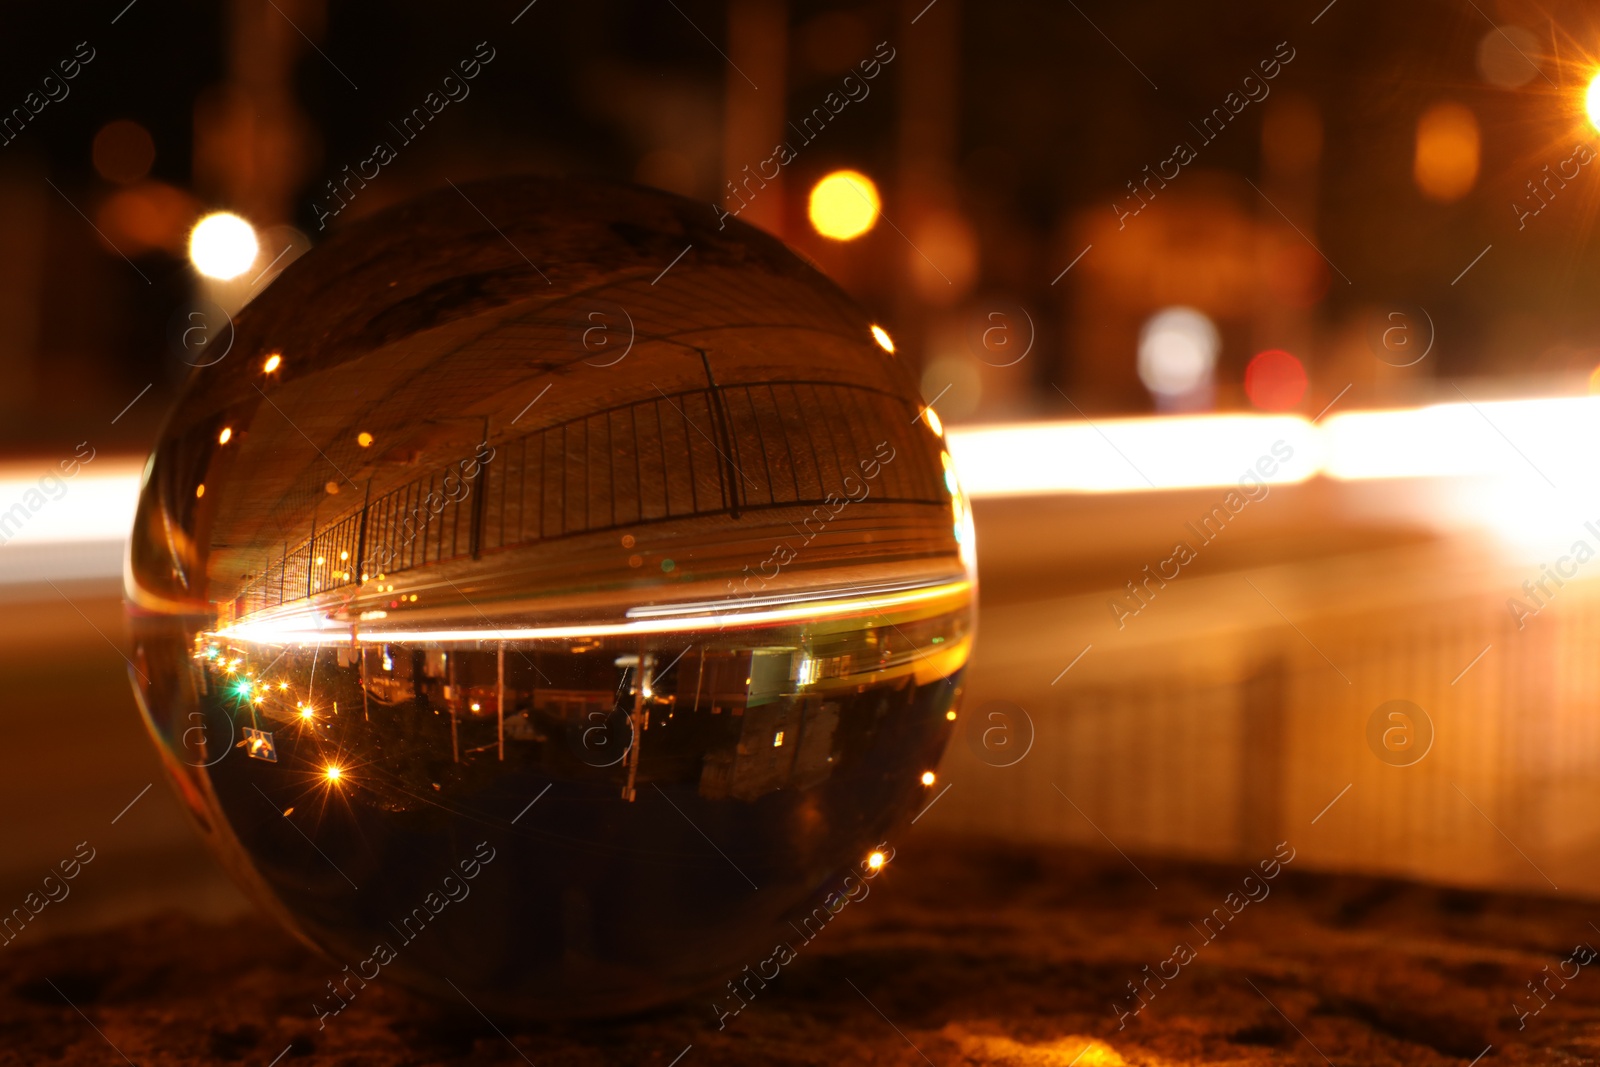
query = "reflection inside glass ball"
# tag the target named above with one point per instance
(550, 637)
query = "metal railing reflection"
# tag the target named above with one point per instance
(699, 452)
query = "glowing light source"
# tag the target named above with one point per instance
(306, 713)
(1591, 101)
(844, 205)
(225, 436)
(876, 860)
(880, 335)
(333, 772)
(273, 362)
(951, 715)
(223, 246)
(1275, 380)
(1449, 440)
(931, 417)
(364, 439)
(777, 739)
(1177, 352)
(1134, 455)
(200, 490)
(927, 778)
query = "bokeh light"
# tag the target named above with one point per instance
(1177, 352)
(1505, 56)
(272, 363)
(1446, 163)
(941, 257)
(223, 246)
(844, 205)
(1275, 380)
(148, 215)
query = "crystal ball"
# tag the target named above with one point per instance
(546, 597)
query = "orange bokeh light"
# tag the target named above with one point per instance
(1275, 380)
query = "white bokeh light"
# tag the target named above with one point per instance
(1177, 352)
(223, 246)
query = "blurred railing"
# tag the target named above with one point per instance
(724, 450)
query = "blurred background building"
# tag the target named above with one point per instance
(1287, 178)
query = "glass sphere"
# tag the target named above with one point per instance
(547, 595)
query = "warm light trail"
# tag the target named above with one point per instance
(1547, 438)
(80, 531)
(1553, 438)
(1132, 455)
(298, 627)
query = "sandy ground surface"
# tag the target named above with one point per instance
(965, 953)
